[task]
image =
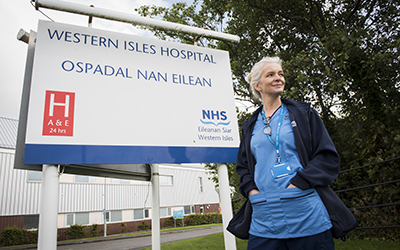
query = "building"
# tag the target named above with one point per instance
(82, 199)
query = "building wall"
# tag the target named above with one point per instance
(17, 195)
(186, 187)
(20, 197)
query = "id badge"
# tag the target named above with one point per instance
(280, 170)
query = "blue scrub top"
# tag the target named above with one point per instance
(279, 212)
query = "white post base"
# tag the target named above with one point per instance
(226, 207)
(155, 209)
(47, 238)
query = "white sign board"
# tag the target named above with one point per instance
(100, 97)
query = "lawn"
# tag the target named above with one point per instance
(216, 242)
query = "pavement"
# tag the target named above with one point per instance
(129, 242)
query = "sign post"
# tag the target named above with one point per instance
(105, 207)
(155, 208)
(47, 238)
(225, 196)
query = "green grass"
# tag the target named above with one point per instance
(366, 245)
(165, 230)
(212, 241)
(136, 233)
(216, 242)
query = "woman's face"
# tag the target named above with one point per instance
(272, 81)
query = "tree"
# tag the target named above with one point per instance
(342, 56)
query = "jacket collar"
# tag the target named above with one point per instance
(291, 105)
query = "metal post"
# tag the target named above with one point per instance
(48, 208)
(224, 194)
(105, 207)
(133, 19)
(155, 208)
(90, 21)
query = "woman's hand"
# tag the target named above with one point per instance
(291, 186)
(253, 191)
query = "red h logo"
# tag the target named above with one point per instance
(59, 113)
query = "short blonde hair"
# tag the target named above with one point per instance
(255, 74)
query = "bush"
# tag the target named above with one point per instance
(169, 222)
(201, 219)
(123, 227)
(93, 230)
(75, 231)
(143, 226)
(102, 230)
(11, 236)
(33, 237)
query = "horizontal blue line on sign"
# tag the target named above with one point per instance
(95, 154)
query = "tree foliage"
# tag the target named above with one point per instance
(340, 55)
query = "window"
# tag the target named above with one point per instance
(201, 184)
(120, 181)
(116, 215)
(107, 216)
(113, 216)
(92, 179)
(201, 209)
(82, 218)
(166, 180)
(34, 175)
(77, 218)
(85, 179)
(165, 211)
(124, 181)
(82, 178)
(70, 219)
(31, 221)
(188, 210)
(138, 214)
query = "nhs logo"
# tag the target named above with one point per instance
(214, 117)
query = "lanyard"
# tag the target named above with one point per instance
(278, 131)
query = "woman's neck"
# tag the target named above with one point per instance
(270, 105)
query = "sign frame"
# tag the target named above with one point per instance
(46, 152)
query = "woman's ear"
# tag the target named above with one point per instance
(257, 86)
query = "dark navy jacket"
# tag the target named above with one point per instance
(315, 148)
(318, 157)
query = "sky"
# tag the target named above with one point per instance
(17, 14)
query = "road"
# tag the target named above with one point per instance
(139, 242)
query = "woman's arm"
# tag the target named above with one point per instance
(324, 164)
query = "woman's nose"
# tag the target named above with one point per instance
(278, 77)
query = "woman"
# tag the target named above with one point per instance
(284, 154)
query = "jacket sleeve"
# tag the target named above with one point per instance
(243, 169)
(323, 161)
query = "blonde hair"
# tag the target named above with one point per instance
(255, 74)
